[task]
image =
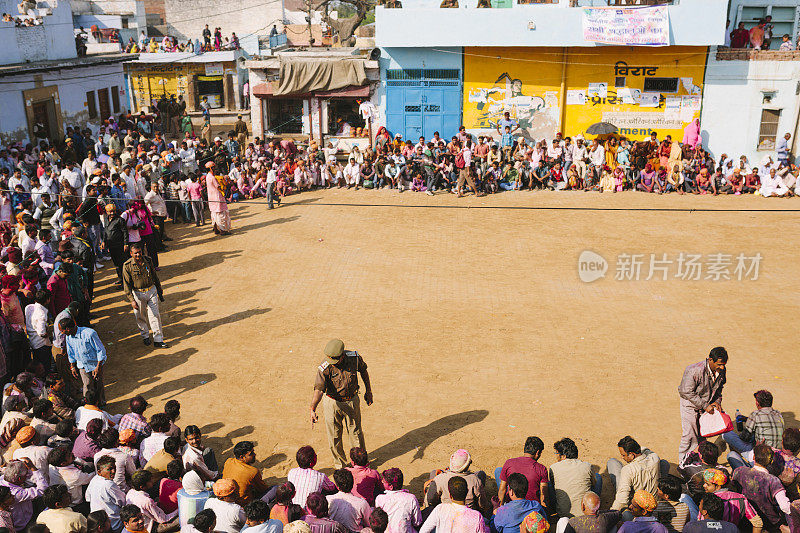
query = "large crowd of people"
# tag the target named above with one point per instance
(69, 466)
(211, 42)
(609, 163)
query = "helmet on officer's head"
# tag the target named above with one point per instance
(334, 350)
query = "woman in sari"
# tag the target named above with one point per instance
(664, 152)
(691, 134)
(703, 182)
(611, 153)
(675, 155)
(661, 181)
(220, 217)
(619, 179)
(382, 138)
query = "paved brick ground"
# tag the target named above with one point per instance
(474, 323)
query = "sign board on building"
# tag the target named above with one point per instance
(640, 26)
(642, 120)
(214, 69)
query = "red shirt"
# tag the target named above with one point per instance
(61, 298)
(535, 472)
(739, 38)
(168, 494)
(364, 481)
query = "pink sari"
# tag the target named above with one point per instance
(691, 134)
(217, 204)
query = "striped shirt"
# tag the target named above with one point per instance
(307, 481)
(673, 515)
(188, 507)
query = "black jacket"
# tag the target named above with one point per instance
(117, 232)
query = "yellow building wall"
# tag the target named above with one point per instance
(528, 82)
(514, 80)
(674, 109)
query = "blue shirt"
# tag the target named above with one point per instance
(511, 123)
(510, 516)
(783, 148)
(118, 197)
(643, 524)
(84, 349)
(506, 140)
(270, 526)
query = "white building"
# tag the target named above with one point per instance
(186, 19)
(126, 16)
(46, 83)
(752, 98)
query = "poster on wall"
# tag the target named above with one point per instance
(627, 95)
(640, 26)
(214, 69)
(649, 99)
(576, 97)
(598, 89)
(672, 108)
(691, 102)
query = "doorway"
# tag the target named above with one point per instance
(43, 113)
(103, 103)
(43, 120)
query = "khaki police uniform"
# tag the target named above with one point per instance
(338, 383)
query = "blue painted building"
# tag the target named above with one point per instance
(422, 90)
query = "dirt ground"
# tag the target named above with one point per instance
(471, 316)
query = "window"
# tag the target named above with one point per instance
(124, 21)
(345, 110)
(430, 77)
(91, 104)
(619, 81)
(285, 115)
(768, 131)
(115, 98)
(661, 85)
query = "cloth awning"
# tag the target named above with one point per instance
(266, 90)
(347, 92)
(309, 75)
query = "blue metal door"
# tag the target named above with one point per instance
(422, 101)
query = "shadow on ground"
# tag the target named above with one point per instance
(419, 439)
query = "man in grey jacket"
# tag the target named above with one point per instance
(700, 390)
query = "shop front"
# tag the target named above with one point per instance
(334, 104)
(321, 116)
(217, 76)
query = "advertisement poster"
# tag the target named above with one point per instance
(640, 26)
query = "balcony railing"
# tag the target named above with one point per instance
(276, 41)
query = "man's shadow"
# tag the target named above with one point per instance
(419, 439)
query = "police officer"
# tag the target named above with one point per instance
(336, 386)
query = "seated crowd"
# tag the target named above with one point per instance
(83, 470)
(483, 166)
